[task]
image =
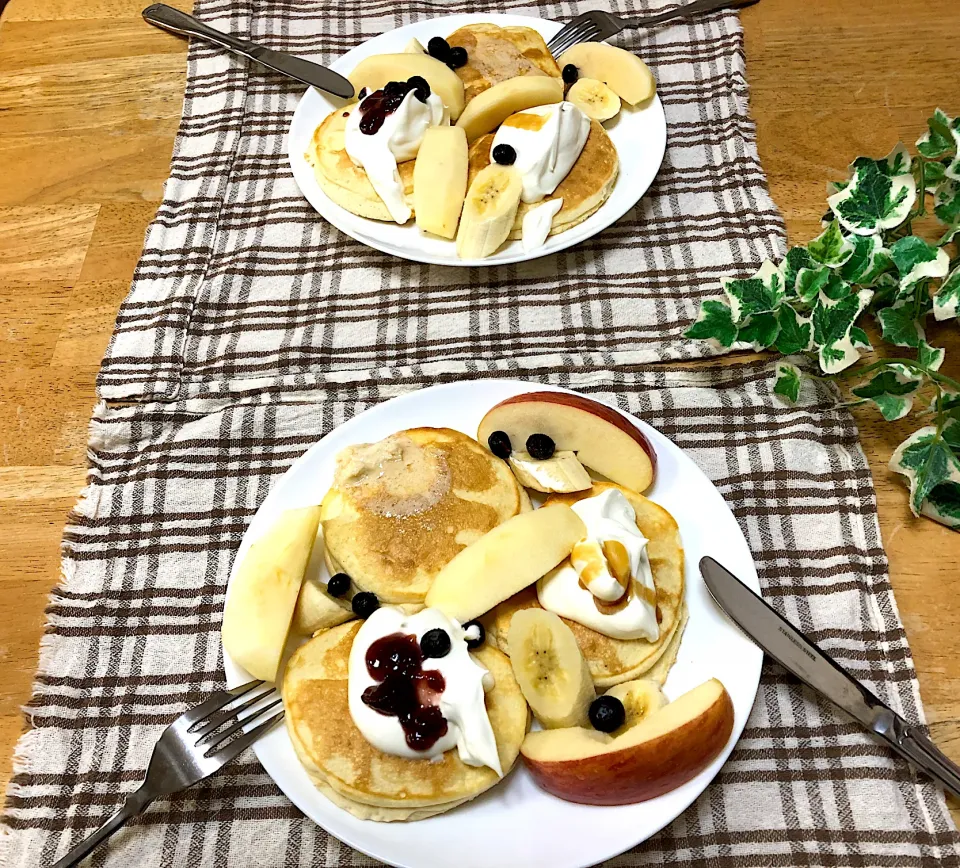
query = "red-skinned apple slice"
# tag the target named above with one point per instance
(660, 753)
(604, 440)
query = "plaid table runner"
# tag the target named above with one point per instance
(243, 286)
(134, 632)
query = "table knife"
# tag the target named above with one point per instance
(168, 18)
(798, 655)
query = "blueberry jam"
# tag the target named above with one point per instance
(381, 103)
(405, 690)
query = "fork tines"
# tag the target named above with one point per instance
(226, 708)
(583, 28)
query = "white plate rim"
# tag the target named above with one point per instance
(361, 229)
(366, 839)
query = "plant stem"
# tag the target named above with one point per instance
(912, 364)
(922, 188)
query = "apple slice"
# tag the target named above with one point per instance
(504, 561)
(374, 72)
(264, 593)
(625, 73)
(604, 440)
(661, 752)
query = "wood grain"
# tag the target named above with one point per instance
(90, 99)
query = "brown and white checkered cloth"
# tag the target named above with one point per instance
(134, 633)
(242, 286)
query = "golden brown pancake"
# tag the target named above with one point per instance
(401, 509)
(613, 661)
(335, 753)
(584, 190)
(341, 179)
(495, 54)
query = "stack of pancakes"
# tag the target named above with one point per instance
(494, 54)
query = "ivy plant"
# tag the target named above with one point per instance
(867, 262)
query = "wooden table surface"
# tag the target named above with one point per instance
(90, 100)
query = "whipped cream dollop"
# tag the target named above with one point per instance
(461, 700)
(548, 140)
(396, 140)
(537, 222)
(586, 587)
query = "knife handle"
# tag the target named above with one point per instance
(167, 18)
(924, 754)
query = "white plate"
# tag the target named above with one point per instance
(640, 136)
(515, 823)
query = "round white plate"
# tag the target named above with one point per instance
(640, 136)
(516, 823)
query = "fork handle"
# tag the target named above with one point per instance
(136, 803)
(688, 9)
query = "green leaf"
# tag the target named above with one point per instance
(934, 173)
(836, 287)
(917, 260)
(943, 504)
(760, 331)
(832, 322)
(830, 247)
(714, 323)
(868, 261)
(797, 258)
(795, 331)
(761, 293)
(858, 337)
(946, 203)
(930, 357)
(938, 141)
(878, 197)
(899, 326)
(947, 300)
(787, 384)
(927, 460)
(949, 235)
(810, 281)
(892, 389)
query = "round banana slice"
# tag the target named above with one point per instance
(489, 211)
(552, 673)
(640, 698)
(595, 99)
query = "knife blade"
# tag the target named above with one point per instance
(815, 668)
(168, 18)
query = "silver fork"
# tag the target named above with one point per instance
(192, 748)
(596, 26)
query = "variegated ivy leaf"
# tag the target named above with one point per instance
(946, 203)
(787, 383)
(917, 260)
(938, 140)
(760, 331)
(830, 247)
(947, 300)
(892, 389)
(950, 234)
(899, 325)
(858, 337)
(953, 169)
(761, 293)
(810, 281)
(930, 357)
(943, 505)
(795, 261)
(868, 261)
(832, 322)
(796, 333)
(928, 459)
(933, 174)
(879, 196)
(713, 324)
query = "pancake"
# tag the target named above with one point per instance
(613, 661)
(334, 752)
(341, 179)
(495, 54)
(401, 509)
(587, 186)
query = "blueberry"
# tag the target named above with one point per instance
(472, 644)
(338, 585)
(606, 713)
(435, 643)
(499, 441)
(365, 604)
(457, 57)
(541, 447)
(505, 155)
(421, 87)
(570, 74)
(439, 48)
(395, 88)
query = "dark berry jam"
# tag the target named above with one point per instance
(381, 103)
(405, 690)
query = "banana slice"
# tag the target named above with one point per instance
(552, 673)
(488, 211)
(597, 101)
(640, 698)
(486, 111)
(440, 180)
